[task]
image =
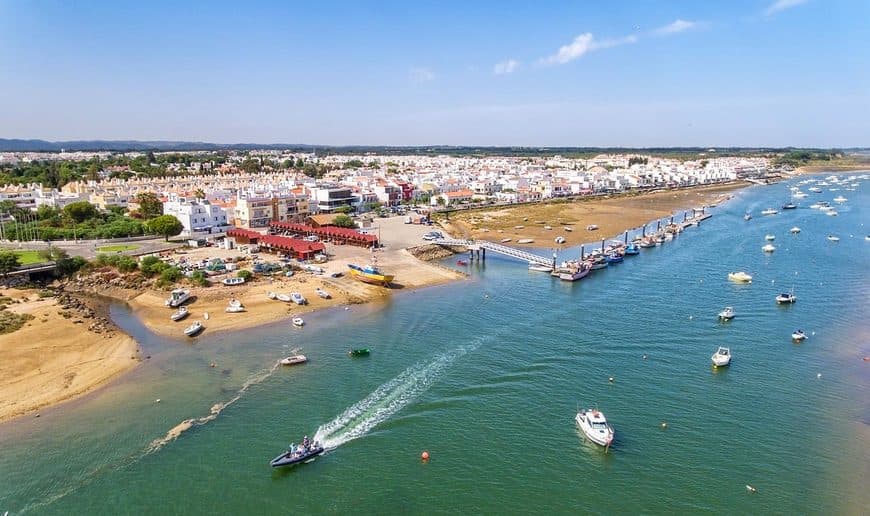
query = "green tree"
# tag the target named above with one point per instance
(8, 262)
(198, 278)
(165, 225)
(150, 205)
(344, 209)
(245, 274)
(354, 163)
(80, 211)
(199, 194)
(300, 162)
(344, 221)
(46, 212)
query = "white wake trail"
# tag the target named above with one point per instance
(386, 400)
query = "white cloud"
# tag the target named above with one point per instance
(506, 67)
(782, 5)
(582, 45)
(420, 74)
(678, 25)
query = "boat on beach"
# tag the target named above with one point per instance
(179, 314)
(298, 298)
(296, 454)
(178, 297)
(526, 241)
(233, 281)
(595, 427)
(505, 240)
(740, 277)
(322, 293)
(235, 306)
(722, 357)
(193, 329)
(370, 274)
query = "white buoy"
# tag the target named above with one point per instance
(818, 375)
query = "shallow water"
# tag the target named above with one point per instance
(486, 374)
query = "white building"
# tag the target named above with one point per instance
(197, 216)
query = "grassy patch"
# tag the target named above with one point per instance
(10, 321)
(117, 248)
(28, 257)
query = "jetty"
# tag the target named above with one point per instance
(481, 246)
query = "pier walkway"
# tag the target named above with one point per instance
(476, 245)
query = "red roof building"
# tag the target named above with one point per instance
(330, 234)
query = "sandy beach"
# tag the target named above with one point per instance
(612, 216)
(53, 358)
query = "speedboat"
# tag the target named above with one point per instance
(614, 258)
(789, 206)
(179, 314)
(795, 230)
(769, 248)
(298, 322)
(740, 277)
(322, 293)
(296, 454)
(193, 329)
(840, 198)
(833, 238)
(359, 352)
(298, 298)
(727, 314)
(722, 357)
(595, 427)
(539, 268)
(769, 211)
(632, 249)
(798, 335)
(770, 238)
(294, 360)
(747, 216)
(786, 297)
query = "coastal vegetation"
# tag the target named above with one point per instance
(117, 248)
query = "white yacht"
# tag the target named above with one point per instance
(833, 238)
(177, 297)
(595, 427)
(769, 238)
(795, 230)
(840, 198)
(769, 211)
(786, 297)
(722, 357)
(769, 248)
(740, 277)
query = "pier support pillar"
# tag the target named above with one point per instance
(483, 254)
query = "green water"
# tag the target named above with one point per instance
(486, 374)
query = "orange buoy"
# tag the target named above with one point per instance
(424, 455)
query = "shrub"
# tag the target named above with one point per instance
(198, 278)
(246, 274)
(170, 275)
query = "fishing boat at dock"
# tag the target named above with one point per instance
(575, 273)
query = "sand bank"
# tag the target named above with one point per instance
(52, 358)
(612, 216)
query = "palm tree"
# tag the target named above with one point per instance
(199, 194)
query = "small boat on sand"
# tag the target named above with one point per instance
(294, 360)
(233, 281)
(592, 227)
(595, 427)
(296, 454)
(722, 357)
(284, 297)
(178, 297)
(179, 314)
(505, 240)
(526, 241)
(298, 298)
(359, 352)
(322, 293)
(193, 329)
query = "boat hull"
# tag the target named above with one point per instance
(374, 279)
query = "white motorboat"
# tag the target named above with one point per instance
(840, 198)
(298, 322)
(798, 335)
(740, 277)
(294, 360)
(769, 248)
(831, 213)
(591, 227)
(727, 314)
(283, 297)
(272, 295)
(769, 238)
(568, 229)
(540, 268)
(298, 298)
(786, 297)
(233, 281)
(322, 293)
(799, 195)
(595, 427)
(769, 211)
(833, 238)
(178, 297)
(747, 216)
(722, 357)
(795, 230)
(560, 240)
(193, 329)
(235, 306)
(815, 189)
(179, 314)
(505, 240)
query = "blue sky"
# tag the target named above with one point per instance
(645, 73)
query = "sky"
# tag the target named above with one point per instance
(506, 73)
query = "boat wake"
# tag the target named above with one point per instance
(176, 431)
(358, 419)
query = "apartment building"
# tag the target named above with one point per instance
(197, 216)
(258, 212)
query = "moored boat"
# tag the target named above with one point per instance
(461, 263)
(594, 426)
(833, 238)
(722, 357)
(769, 211)
(740, 277)
(789, 206)
(786, 297)
(359, 352)
(575, 273)
(769, 248)
(769, 238)
(798, 335)
(727, 314)
(539, 268)
(298, 322)
(747, 216)
(614, 258)
(795, 230)
(632, 249)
